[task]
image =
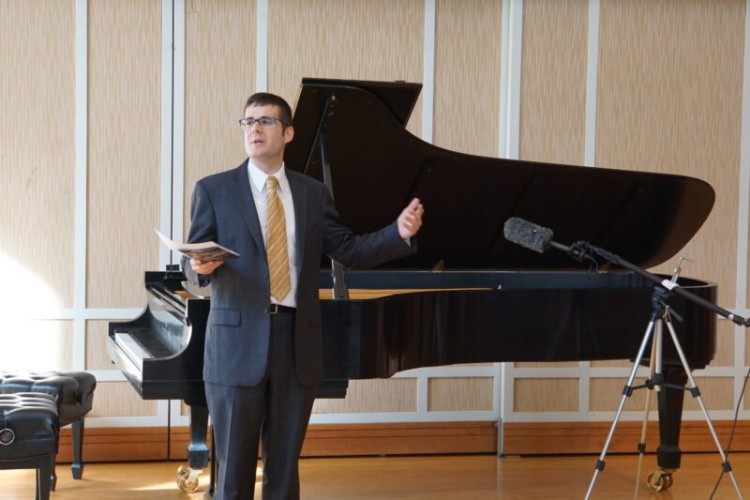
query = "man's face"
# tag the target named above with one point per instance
(265, 144)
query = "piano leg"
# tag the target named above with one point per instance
(670, 399)
(670, 411)
(198, 449)
(188, 477)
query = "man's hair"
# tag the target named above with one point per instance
(265, 99)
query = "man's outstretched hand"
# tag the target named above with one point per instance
(410, 219)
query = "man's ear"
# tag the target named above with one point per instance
(288, 134)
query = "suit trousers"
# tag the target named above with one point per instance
(275, 412)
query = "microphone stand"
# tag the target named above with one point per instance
(660, 316)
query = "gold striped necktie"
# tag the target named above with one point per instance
(276, 250)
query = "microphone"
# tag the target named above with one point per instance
(539, 239)
(527, 234)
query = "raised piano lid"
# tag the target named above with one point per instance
(377, 166)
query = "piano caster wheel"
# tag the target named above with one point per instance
(187, 478)
(660, 480)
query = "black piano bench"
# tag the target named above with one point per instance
(74, 394)
(29, 432)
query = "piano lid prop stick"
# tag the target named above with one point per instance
(539, 239)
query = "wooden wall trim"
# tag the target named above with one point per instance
(400, 439)
(589, 437)
(154, 443)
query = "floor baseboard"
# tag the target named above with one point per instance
(428, 438)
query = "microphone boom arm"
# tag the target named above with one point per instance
(670, 285)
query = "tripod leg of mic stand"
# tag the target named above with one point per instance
(626, 393)
(695, 392)
(646, 407)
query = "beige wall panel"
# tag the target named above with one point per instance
(96, 342)
(724, 344)
(380, 395)
(125, 51)
(119, 399)
(670, 100)
(553, 82)
(219, 77)
(717, 394)
(460, 394)
(467, 76)
(36, 345)
(545, 395)
(97, 333)
(184, 409)
(605, 395)
(345, 39)
(37, 155)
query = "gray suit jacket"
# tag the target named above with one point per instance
(237, 336)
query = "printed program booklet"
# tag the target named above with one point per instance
(207, 250)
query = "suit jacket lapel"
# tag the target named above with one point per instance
(240, 190)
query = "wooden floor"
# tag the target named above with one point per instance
(425, 477)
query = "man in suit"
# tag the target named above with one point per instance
(264, 352)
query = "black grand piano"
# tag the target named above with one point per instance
(476, 296)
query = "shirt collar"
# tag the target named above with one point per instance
(258, 177)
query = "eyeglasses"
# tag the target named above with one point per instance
(264, 121)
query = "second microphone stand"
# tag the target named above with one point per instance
(660, 317)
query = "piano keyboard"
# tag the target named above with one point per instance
(132, 347)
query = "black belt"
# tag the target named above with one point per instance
(279, 309)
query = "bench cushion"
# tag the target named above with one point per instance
(73, 391)
(28, 425)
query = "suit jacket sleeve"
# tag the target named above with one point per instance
(362, 251)
(202, 228)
